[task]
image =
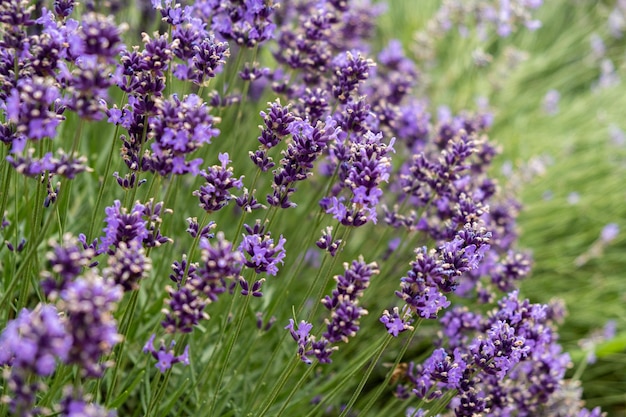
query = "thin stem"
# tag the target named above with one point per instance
(229, 350)
(382, 386)
(373, 363)
(105, 178)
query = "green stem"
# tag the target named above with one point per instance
(382, 386)
(105, 178)
(119, 349)
(373, 363)
(282, 380)
(229, 350)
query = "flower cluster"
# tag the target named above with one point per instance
(345, 312)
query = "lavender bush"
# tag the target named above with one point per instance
(353, 255)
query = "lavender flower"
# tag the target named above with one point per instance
(67, 260)
(35, 341)
(263, 254)
(366, 167)
(185, 308)
(302, 337)
(215, 194)
(395, 323)
(308, 143)
(89, 302)
(219, 261)
(30, 106)
(123, 226)
(178, 128)
(76, 403)
(327, 243)
(165, 358)
(343, 302)
(128, 265)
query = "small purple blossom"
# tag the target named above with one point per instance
(394, 323)
(165, 357)
(263, 254)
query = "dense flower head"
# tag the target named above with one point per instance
(67, 260)
(261, 252)
(209, 56)
(219, 261)
(35, 341)
(30, 107)
(343, 302)
(366, 167)
(178, 128)
(184, 308)
(63, 8)
(214, 194)
(247, 23)
(89, 302)
(349, 71)
(307, 145)
(98, 36)
(123, 226)
(128, 265)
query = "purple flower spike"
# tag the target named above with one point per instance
(214, 194)
(35, 341)
(89, 302)
(123, 226)
(263, 254)
(128, 265)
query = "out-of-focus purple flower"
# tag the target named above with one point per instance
(89, 302)
(64, 165)
(63, 8)
(165, 357)
(551, 102)
(247, 23)
(254, 290)
(98, 36)
(609, 232)
(77, 404)
(35, 341)
(128, 265)
(30, 107)
(68, 260)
